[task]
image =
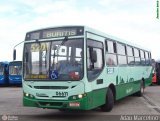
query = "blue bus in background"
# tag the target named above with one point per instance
(15, 72)
(3, 73)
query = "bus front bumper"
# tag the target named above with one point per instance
(75, 104)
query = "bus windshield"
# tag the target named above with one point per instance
(15, 70)
(54, 60)
(1, 70)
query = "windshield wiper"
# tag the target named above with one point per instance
(56, 48)
(63, 42)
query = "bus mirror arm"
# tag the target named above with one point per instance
(14, 50)
(14, 54)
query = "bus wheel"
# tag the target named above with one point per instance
(141, 91)
(109, 101)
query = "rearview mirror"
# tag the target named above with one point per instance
(93, 56)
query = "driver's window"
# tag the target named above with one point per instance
(94, 68)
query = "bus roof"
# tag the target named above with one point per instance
(56, 27)
(102, 34)
(15, 62)
(115, 38)
(3, 63)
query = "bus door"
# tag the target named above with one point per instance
(95, 67)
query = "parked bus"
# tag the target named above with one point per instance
(76, 67)
(154, 78)
(15, 72)
(156, 74)
(3, 73)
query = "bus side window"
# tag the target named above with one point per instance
(147, 58)
(111, 58)
(121, 51)
(130, 55)
(142, 54)
(137, 56)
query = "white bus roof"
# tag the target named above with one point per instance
(114, 38)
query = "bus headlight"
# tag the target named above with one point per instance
(28, 95)
(80, 96)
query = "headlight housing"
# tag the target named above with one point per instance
(80, 96)
(28, 95)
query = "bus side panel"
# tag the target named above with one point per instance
(148, 81)
(130, 87)
(2, 80)
(129, 80)
(126, 89)
(99, 97)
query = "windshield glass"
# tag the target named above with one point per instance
(1, 70)
(54, 60)
(15, 70)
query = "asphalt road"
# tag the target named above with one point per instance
(127, 108)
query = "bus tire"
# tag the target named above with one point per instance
(141, 91)
(109, 101)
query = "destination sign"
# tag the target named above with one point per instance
(55, 33)
(35, 47)
(59, 33)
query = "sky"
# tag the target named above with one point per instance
(132, 20)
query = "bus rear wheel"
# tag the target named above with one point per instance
(109, 101)
(141, 91)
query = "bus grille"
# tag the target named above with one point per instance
(50, 103)
(50, 87)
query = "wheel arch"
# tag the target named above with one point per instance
(113, 88)
(143, 81)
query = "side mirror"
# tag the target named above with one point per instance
(94, 56)
(14, 54)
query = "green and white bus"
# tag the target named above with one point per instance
(76, 67)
